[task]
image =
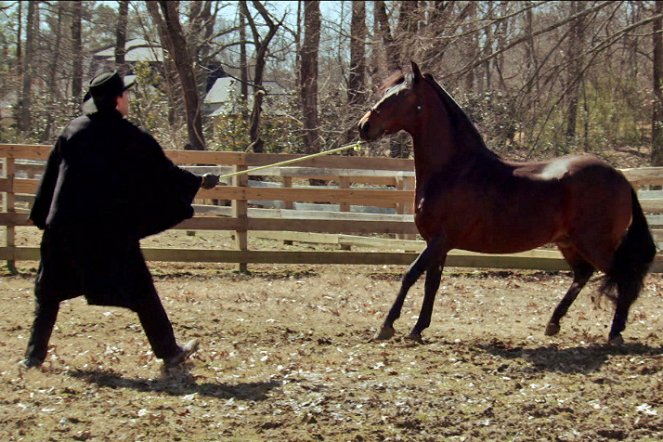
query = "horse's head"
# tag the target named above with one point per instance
(398, 109)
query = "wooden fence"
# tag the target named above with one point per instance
(367, 201)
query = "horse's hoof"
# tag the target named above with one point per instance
(616, 341)
(415, 337)
(384, 334)
(552, 329)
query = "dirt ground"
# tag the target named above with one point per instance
(285, 355)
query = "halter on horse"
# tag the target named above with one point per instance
(469, 198)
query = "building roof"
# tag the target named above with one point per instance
(137, 49)
(222, 96)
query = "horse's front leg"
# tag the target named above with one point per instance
(423, 262)
(433, 277)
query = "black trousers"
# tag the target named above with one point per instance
(150, 312)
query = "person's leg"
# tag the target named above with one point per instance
(46, 313)
(157, 326)
(151, 313)
(160, 333)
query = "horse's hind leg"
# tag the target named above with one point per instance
(431, 254)
(628, 291)
(582, 271)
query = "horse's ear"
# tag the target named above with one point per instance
(415, 71)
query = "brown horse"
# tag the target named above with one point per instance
(469, 198)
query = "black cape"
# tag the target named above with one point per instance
(107, 184)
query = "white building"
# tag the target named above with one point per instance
(223, 98)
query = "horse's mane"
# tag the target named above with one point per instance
(464, 130)
(393, 79)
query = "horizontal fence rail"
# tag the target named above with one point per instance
(366, 203)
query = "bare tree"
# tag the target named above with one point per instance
(357, 71)
(309, 76)
(31, 34)
(51, 81)
(199, 36)
(575, 51)
(261, 47)
(471, 43)
(384, 30)
(121, 36)
(243, 65)
(657, 74)
(77, 50)
(356, 75)
(19, 41)
(166, 16)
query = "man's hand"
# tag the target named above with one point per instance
(209, 181)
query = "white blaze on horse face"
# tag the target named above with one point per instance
(392, 91)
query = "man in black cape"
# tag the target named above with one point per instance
(107, 184)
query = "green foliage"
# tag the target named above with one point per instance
(607, 116)
(494, 114)
(227, 132)
(616, 114)
(99, 29)
(150, 108)
(230, 130)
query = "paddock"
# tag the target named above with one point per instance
(285, 356)
(285, 351)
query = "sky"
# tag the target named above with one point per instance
(330, 10)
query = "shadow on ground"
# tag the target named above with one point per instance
(179, 383)
(568, 360)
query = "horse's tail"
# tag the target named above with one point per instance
(632, 259)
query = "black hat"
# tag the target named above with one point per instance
(108, 84)
(103, 88)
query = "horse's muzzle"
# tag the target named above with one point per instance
(366, 130)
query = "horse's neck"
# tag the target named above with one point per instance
(435, 152)
(442, 145)
(438, 153)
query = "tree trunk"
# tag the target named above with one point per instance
(390, 48)
(472, 43)
(121, 36)
(486, 81)
(77, 49)
(407, 29)
(357, 74)
(502, 31)
(25, 103)
(243, 67)
(199, 38)
(173, 87)
(657, 111)
(52, 84)
(309, 76)
(262, 45)
(356, 77)
(575, 50)
(176, 44)
(19, 41)
(405, 36)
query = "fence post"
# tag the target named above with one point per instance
(240, 212)
(287, 184)
(405, 183)
(344, 183)
(9, 206)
